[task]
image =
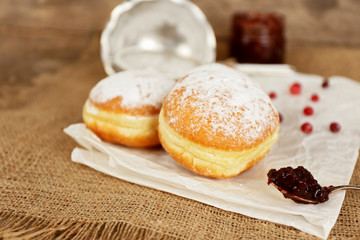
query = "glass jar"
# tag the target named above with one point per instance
(258, 38)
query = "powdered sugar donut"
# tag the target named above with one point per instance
(123, 108)
(217, 122)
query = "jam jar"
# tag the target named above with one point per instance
(258, 38)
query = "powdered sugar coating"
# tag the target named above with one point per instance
(145, 87)
(218, 106)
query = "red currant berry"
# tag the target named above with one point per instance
(325, 83)
(335, 127)
(280, 117)
(308, 111)
(272, 95)
(306, 128)
(315, 98)
(295, 89)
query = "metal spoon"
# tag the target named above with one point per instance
(312, 201)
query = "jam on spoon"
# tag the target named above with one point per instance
(299, 185)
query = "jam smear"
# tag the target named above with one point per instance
(298, 182)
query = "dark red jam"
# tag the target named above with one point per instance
(258, 38)
(298, 182)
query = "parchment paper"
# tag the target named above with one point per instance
(328, 156)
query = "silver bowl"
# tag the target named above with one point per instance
(172, 36)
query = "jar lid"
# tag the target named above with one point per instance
(171, 36)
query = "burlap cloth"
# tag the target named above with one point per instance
(43, 194)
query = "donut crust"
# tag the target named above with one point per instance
(122, 126)
(209, 161)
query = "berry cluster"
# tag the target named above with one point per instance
(295, 89)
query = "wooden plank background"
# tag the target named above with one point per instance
(42, 35)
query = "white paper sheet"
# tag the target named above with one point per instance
(329, 157)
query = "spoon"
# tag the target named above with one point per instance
(298, 199)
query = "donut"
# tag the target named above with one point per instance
(217, 122)
(124, 108)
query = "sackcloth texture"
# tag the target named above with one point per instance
(44, 195)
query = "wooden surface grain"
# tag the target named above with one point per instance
(41, 36)
(320, 21)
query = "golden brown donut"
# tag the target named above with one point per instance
(217, 122)
(124, 108)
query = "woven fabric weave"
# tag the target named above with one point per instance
(43, 194)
